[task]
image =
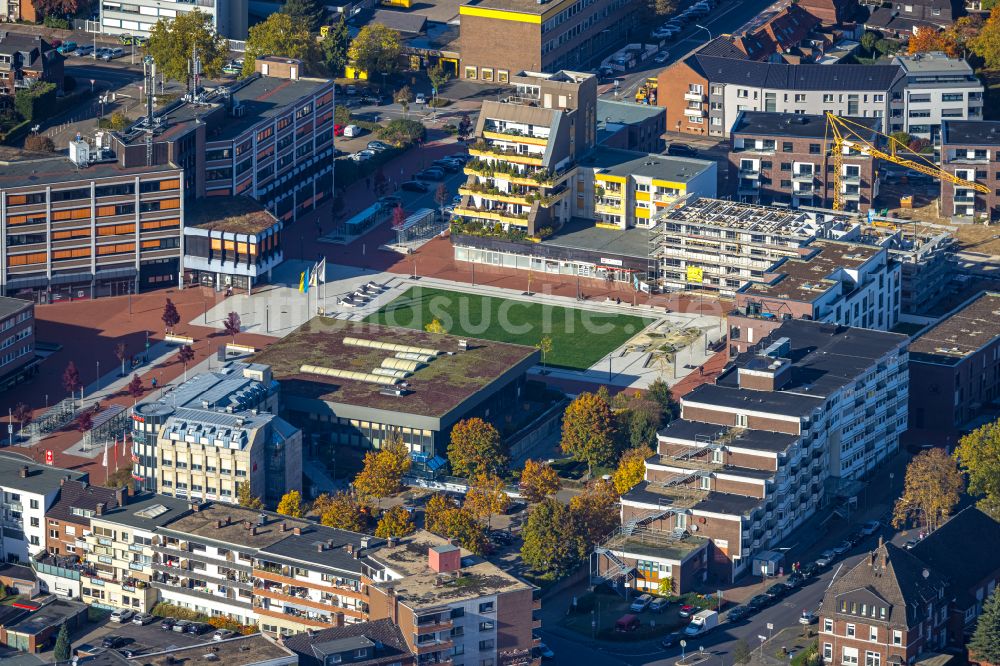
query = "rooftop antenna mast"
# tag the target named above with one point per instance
(195, 71)
(149, 81)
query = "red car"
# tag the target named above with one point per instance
(338, 130)
(687, 610)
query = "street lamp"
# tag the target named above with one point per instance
(698, 25)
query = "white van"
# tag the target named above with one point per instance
(353, 130)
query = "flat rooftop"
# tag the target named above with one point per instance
(970, 132)
(653, 493)
(222, 388)
(434, 389)
(240, 215)
(804, 280)
(803, 126)
(522, 6)
(696, 432)
(22, 168)
(657, 544)
(581, 234)
(423, 588)
(147, 511)
(305, 547)
(616, 162)
(51, 614)
(961, 332)
(702, 211)
(9, 306)
(625, 113)
(227, 523)
(239, 651)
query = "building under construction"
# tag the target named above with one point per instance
(721, 246)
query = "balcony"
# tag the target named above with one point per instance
(694, 97)
(434, 646)
(694, 113)
(751, 172)
(515, 138)
(483, 149)
(803, 176)
(291, 615)
(519, 219)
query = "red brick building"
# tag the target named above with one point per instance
(69, 516)
(25, 59)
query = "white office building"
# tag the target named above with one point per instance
(137, 17)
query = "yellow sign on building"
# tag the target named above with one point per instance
(695, 274)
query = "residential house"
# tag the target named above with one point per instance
(68, 519)
(372, 643)
(971, 150)
(937, 88)
(26, 59)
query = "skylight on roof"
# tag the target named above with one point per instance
(152, 511)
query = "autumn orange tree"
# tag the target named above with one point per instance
(588, 430)
(461, 525)
(978, 454)
(538, 481)
(342, 511)
(596, 511)
(486, 497)
(932, 488)
(436, 506)
(396, 522)
(475, 448)
(927, 40)
(986, 44)
(631, 468)
(291, 504)
(383, 470)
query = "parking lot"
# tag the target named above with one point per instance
(143, 639)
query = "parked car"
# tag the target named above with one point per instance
(842, 547)
(681, 150)
(420, 99)
(378, 146)
(232, 67)
(687, 610)
(129, 653)
(447, 165)
(461, 157)
(351, 90)
(414, 186)
(671, 639)
(546, 652)
(794, 580)
(142, 619)
(180, 626)
(776, 591)
(168, 623)
(659, 604)
(430, 174)
(338, 130)
(809, 569)
(363, 155)
(99, 53)
(353, 130)
(640, 603)
(759, 601)
(122, 616)
(911, 543)
(66, 48)
(826, 558)
(223, 634)
(112, 642)
(662, 57)
(808, 617)
(871, 527)
(738, 613)
(111, 54)
(702, 623)
(83, 50)
(197, 628)
(390, 201)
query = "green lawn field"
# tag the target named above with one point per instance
(579, 337)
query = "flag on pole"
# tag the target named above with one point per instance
(116, 453)
(105, 460)
(302, 281)
(313, 277)
(307, 280)
(321, 270)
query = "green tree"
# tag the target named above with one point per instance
(741, 650)
(334, 47)
(281, 35)
(402, 132)
(588, 431)
(63, 648)
(375, 50)
(868, 41)
(538, 481)
(310, 13)
(461, 525)
(475, 448)
(660, 393)
(886, 46)
(342, 511)
(984, 646)
(172, 41)
(987, 44)
(395, 522)
(245, 499)
(978, 455)
(545, 346)
(291, 504)
(631, 468)
(438, 76)
(552, 541)
(931, 489)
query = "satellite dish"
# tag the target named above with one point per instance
(35, 128)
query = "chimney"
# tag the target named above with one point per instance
(365, 542)
(195, 506)
(229, 520)
(24, 472)
(121, 496)
(218, 524)
(84, 484)
(392, 541)
(297, 531)
(99, 509)
(349, 548)
(253, 530)
(320, 546)
(62, 481)
(284, 526)
(247, 524)
(442, 559)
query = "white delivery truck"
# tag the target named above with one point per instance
(702, 622)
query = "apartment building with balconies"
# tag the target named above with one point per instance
(217, 430)
(87, 226)
(754, 454)
(722, 246)
(27, 491)
(838, 282)
(452, 606)
(971, 150)
(117, 569)
(787, 159)
(937, 88)
(526, 150)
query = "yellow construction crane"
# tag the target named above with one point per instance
(853, 136)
